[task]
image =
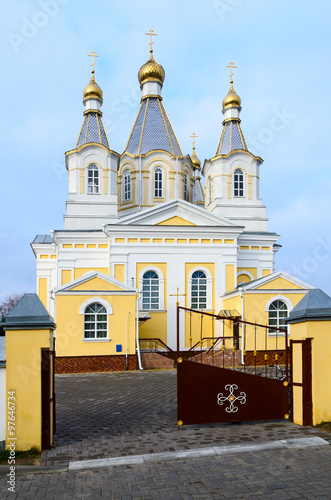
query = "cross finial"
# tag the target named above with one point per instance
(177, 295)
(193, 139)
(231, 65)
(93, 55)
(151, 34)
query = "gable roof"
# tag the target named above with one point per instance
(315, 305)
(90, 275)
(176, 208)
(252, 285)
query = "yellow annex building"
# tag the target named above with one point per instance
(140, 225)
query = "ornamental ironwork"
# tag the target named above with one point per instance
(231, 398)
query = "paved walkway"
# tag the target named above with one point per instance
(118, 415)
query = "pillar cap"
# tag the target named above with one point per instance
(314, 306)
(28, 313)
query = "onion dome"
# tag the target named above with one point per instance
(151, 70)
(196, 163)
(92, 90)
(232, 98)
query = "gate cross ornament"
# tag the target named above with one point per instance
(231, 398)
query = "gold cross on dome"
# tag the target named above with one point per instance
(151, 34)
(231, 65)
(177, 294)
(93, 55)
(193, 137)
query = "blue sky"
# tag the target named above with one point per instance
(282, 53)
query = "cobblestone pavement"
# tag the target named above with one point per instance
(289, 474)
(118, 414)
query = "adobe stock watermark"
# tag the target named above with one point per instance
(309, 265)
(30, 27)
(280, 120)
(224, 7)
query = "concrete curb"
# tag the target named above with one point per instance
(196, 453)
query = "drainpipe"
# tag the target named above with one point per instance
(242, 327)
(137, 333)
(126, 343)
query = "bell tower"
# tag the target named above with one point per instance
(232, 175)
(92, 167)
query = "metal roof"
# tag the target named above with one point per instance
(43, 238)
(152, 130)
(29, 312)
(92, 130)
(232, 138)
(315, 305)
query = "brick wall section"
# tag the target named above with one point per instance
(250, 358)
(92, 364)
(153, 360)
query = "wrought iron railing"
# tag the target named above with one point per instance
(154, 345)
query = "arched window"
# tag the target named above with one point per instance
(95, 321)
(278, 311)
(151, 292)
(127, 185)
(93, 179)
(209, 191)
(186, 188)
(158, 183)
(199, 290)
(238, 183)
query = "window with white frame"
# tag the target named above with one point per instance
(186, 188)
(199, 290)
(127, 185)
(93, 179)
(278, 311)
(151, 290)
(238, 183)
(158, 183)
(95, 321)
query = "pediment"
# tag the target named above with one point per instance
(177, 213)
(277, 281)
(95, 281)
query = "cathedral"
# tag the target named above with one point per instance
(142, 232)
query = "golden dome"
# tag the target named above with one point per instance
(151, 70)
(92, 90)
(231, 99)
(195, 160)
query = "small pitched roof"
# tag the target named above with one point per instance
(90, 275)
(315, 305)
(92, 130)
(29, 312)
(271, 277)
(43, 238)
(232, 138)
(152, 130)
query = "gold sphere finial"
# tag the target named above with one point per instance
(92, 89)
(151, 70)
(232, 98)
(195, 160)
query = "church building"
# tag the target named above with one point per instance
(141, 231)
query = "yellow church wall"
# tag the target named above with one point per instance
(79, 271)
(254, 311)
(119, 271)
(252, 270)
(232, 304)
(156, 327)
(279, 283)
(66, 276)
(23, 375)
(43, 290)
(266, 272)
(70, 326)
(96, 284)
(230, 280)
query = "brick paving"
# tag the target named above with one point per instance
(118, 414)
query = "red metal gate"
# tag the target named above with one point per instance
(216, 385)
